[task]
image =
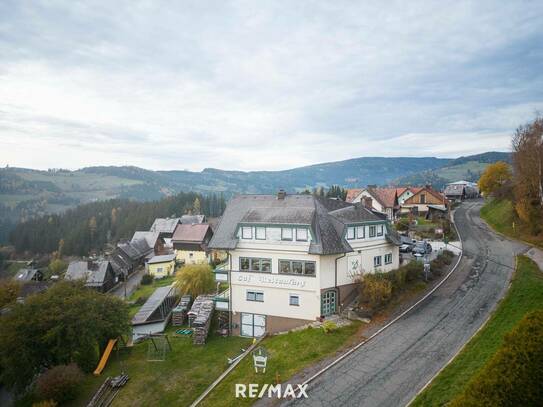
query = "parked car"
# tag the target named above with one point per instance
(422, 248)
(406, 248)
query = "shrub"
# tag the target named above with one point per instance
(414, 271)
(398, 278)
(195, 279)
(329, 326)
(375, 290)
(513, 376)
(147, 279)
(60, 383)
(402, 224)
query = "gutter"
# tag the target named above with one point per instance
(335, 278)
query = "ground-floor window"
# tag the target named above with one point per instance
(294, 299)
(253, 325)
(377, 261)
(388, 258)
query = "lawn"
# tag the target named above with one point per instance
(188, 370)
(500, 215)
(180, 379)
(287, 355)
(525, 295)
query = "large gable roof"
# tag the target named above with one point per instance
(327, 218)
(165, 225)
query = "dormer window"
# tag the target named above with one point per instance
(301, 235)
(380, 230)
(246, 232)
(260, 233)
(351, 233)
(360, 232)
(372, 231)
(286, 233)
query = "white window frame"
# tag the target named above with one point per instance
(361, 235)
(283, 230)
(257, 296)
(244, 235)
(377, 261)
(372, 227)
(296, 303)
(298, 239)
(260, 229)
(380, 230)
(388, 258)
(351, 232)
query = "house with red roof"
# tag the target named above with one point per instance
(190, 242)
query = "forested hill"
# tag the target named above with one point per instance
(90, 227)
(25, 193)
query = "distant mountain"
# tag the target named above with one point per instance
(26, 193)
(467, 168)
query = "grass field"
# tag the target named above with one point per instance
(189, 369)
(500, 215)
(287, 354)
(525, 295)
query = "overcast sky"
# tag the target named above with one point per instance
(262, 85)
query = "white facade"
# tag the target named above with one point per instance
(270, 292)
(405, 196)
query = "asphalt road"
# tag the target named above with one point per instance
(395, 365)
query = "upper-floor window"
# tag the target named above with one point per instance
(260, 233)
(351, 233)
(379, 230)
(301, 234)
(255, 296)
(246, 232)
(422, 198)
(286, 233)
(360, 232)
(372, 231)
(377, 261)
(306, 268)
(255, 264)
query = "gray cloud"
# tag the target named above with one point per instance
(243, 85)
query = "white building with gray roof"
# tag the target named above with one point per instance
(294, 258)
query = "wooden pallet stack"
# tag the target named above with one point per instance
(200, 318)
(179, 313)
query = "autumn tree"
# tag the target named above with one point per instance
(528, 173)
(494, 177)
(195, 279)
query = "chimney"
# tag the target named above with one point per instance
(281, 194)
(368, 202)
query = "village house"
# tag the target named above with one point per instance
(294, 258)
(383, 200)
(128, 256)
(422, 197)
(166, 226)
(460, 190)
(190, 242)
(153, 240)
(161, 266)
(97, 274)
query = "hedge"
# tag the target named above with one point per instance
(514, 375)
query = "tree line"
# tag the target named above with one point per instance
(89, 228)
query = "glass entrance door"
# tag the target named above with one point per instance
(328, 303)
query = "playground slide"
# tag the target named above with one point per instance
(105, 357)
